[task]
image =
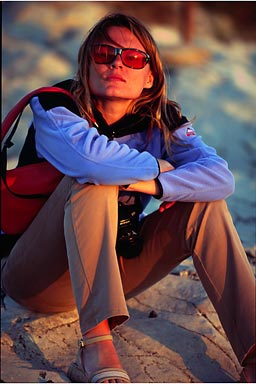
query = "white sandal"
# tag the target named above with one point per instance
(77, 373)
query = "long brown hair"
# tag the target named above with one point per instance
(153, 102)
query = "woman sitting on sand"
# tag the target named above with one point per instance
(128, 144)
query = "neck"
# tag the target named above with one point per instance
(112, 111)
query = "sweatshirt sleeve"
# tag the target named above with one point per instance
(77, 150)
(200, 173)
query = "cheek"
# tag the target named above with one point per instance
(92, 77)
(138, 83)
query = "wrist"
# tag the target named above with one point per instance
(159, 189)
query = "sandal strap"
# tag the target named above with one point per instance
(110, 373)
(83, 343)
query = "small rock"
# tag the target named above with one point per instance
(43, 379)
(152, 314)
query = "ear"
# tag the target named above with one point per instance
(149, 81)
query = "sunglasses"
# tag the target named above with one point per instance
(131, 57)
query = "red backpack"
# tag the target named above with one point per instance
(24, 189)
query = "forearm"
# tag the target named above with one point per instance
(150, 187)
(77, 150)
(205, 180)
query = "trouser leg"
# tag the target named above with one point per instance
(90, 231)
(164, 247)
(35, 274)
(205, 231)
(225, 272)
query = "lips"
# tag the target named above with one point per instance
(115, 78)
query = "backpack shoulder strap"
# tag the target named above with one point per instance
(12, 121)
(16, 111)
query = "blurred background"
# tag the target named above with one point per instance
(209, 55)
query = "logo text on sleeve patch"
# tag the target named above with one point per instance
(190, 132)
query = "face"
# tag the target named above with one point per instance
(114, 81)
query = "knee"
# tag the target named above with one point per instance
(94, 190)
(218, 205)
(91, 201)
(215, 212)
(93, 194)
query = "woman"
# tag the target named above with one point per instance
(128, 144)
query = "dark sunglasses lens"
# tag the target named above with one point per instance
(103, 54)
(134, 59)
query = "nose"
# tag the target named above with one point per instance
(117, 62)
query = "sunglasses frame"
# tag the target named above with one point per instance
(118, 51)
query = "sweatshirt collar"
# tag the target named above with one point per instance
(128, 124)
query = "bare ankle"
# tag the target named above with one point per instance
(101, 329)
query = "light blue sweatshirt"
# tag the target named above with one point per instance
(78, 150)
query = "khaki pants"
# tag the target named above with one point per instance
(67, 258)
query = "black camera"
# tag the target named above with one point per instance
(129, 242)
